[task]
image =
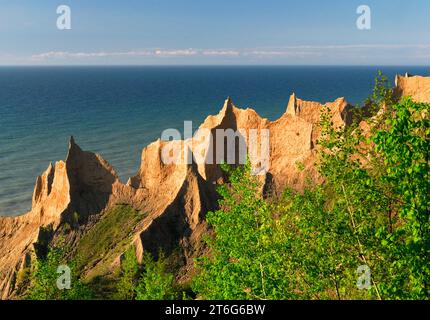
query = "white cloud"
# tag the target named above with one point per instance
(233, 53)
(153, 53)
(281, 53)
(179, 52)
(302, 53)
(74, 55)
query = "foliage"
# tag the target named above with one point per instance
(248, 254)
(155, 282)
(128, 276)
(44, 277)
(382, 95)
(372, 210)
(107, 239)
(405, 149)
(23, 278)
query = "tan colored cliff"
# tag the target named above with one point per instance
(416, 87)
(83, 183)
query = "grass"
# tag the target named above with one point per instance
(108, 239)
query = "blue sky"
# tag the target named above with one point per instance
(168, 32)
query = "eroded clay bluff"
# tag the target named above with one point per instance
(416, 87)
(173, 197)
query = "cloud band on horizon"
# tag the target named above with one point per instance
(370, 53)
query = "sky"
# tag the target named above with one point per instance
(215, 32)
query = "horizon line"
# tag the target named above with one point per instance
(213, 65)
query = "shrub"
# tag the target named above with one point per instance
(155, 283)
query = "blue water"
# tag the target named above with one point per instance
(116, 111)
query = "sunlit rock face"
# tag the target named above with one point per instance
(416, 87)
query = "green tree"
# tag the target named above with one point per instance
(129, 272)
(404, 146)
(155, 282)
(372, 210)
(46, 274)
(247, 257)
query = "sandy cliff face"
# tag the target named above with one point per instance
(83, 184)
(416, 87)
(174, 197)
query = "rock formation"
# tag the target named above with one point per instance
(174, 197)
(416, 87)
(83, 183)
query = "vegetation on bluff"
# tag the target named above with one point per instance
(363, 234)
(46, 282)
(149, 280)
(107, 240)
